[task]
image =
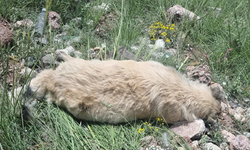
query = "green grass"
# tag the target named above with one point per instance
(214, 34)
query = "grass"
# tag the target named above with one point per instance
(214, 34)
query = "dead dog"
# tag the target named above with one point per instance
(119, 91)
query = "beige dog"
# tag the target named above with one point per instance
(119, 91)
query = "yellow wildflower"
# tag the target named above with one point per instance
(156, 129)
(167, 40)
(164, 33)
(141, 130)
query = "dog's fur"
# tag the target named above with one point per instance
(119, 91)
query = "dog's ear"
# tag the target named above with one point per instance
(217, 91)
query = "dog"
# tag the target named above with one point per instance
(114, 91)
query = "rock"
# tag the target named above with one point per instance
(228, 136)
(159, 44)
(240, 143)
(178, 13)
(77, 22)
(226, 120)
(224, 107)
(247, 100)
(195, 144)
(5, 35)
(125, 54)
(201, 72)
(68, 50)
(74, 40)
(247, 113)
(247, 134)
(210, 146)
(54, 19)
(165, 142)
(78, 54)
(27, 71)
(49, 60)
(148, 141)
(25, 23)
(193, 129)
(30, 62)
(224, 146)
(237, 113)
(103, 6)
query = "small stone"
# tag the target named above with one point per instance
(74, 40)
(233, 104)
(5, 35)
(134, 48)
(241, 143)
(159, 44)
(78, 54)
(178, 13)
(49, 60)
(228, 136)
(165, 142)
(193, 129)
(30, 62)
(224, 146)
(224, 107)
(237, 113)
(103, 6)
(210, 146)
(246, 100)
(195, 144)
(68, 50)
(90, 22)
(77, 22)
(247, 134)
(54, 20)
(125, 54)
(103, 45)
(148, 141)
(26, 22)
(27, 71)
(247, 113)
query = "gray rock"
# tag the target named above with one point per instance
(224, 146)
(30, 62)
(68, 50)
(178, 12)
(193, 129)
(27, 71)
(240, 143)
(210, 146)
(54, 20)
(246, 100)
(228, 136)
(148, 141)
(159, 44)
(25, 22)
(5, 35)
(237, 113)
(49, 60)
(247, 134)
